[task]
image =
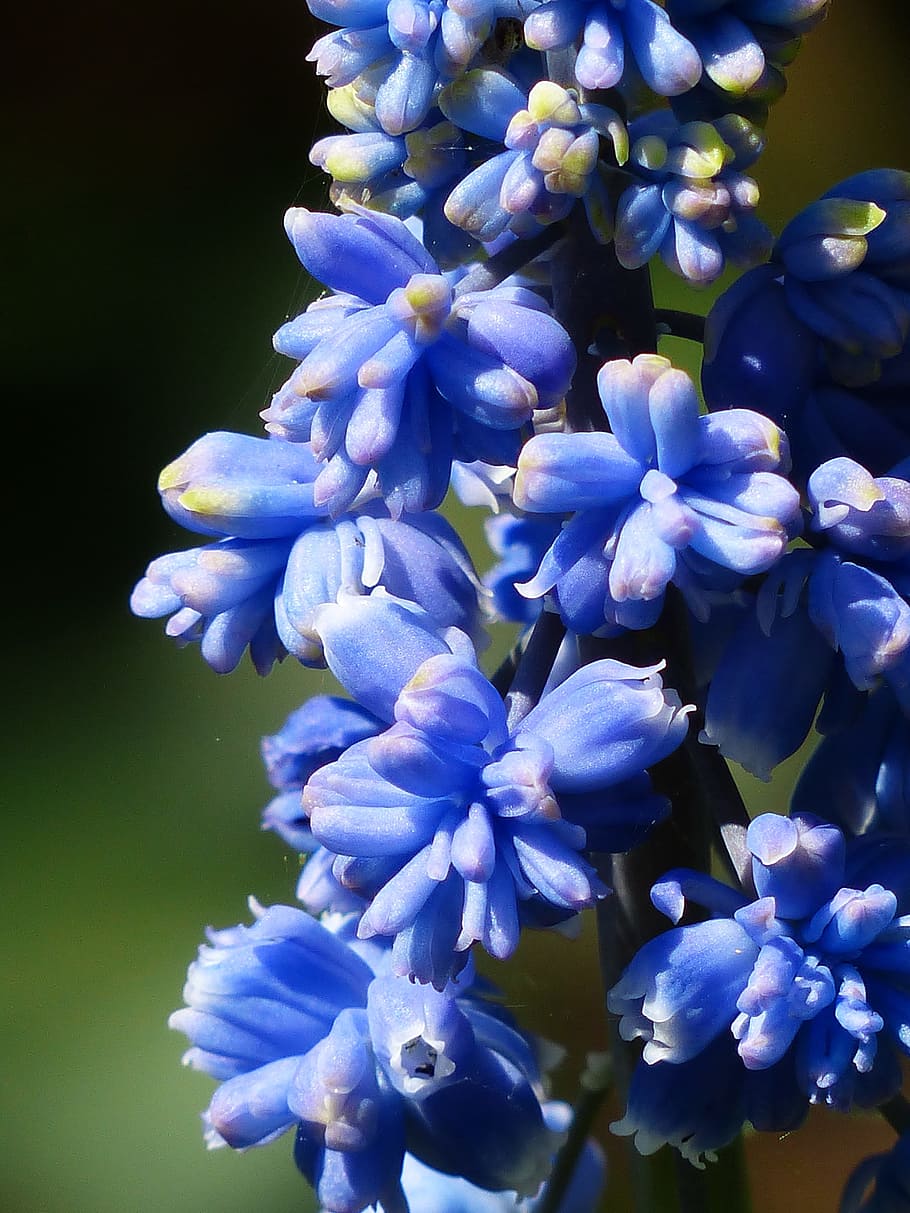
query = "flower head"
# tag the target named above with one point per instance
(451, 819)
(667, 496)
(281, 556)
(400, 377)
(364, 1066)
(812, 962)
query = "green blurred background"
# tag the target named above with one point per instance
(151, 153)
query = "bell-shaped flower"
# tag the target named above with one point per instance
(668, 496)
(426, 1188)
(398, 375)
(281, 557)
(400, 52)
(813, 966)
(303, 1034)
(741, 42)
(613, 31)
(313, 735)
(861, 774)
(552, 156)
(837, 612)
(690, 202)
(450, 821)
(820, 327)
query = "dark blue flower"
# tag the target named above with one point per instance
(889, 1177)
(744, 44)
(839, 609)
(282, 558)
(450, 819)
(399, 376)
(302, 1033)
(667, 496)
(818, 338)
(812, 965)
(861, 773)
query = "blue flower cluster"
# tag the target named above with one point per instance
(807, 976)
(506, 175)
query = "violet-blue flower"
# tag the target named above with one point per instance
(450, 820)
(552, 156)
(667, 496)
(813, 961)
(839, 611)
(401, 51)
(691, 202)
(301, 1033)
(399, 376)
(281, 556)
(737, 39)
(612, 31)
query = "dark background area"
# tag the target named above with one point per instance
(151, 152)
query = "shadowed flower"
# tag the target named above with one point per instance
(812, 965)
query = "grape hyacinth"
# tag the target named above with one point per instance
(674, 589)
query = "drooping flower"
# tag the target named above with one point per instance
(835, 613)
(552, 155)
(278, 556)
(427, 1189)
(810, 966)
(744, 46)
(668, 496)
(457, 824)
(691, 202)
(303, 1034)
(614, 31)
(817, 339)
(880, 1184)
(398, 374)
(401, 52)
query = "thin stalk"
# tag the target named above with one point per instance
(688, 325)
(595, 1083)
(509, 261)
(535, 666)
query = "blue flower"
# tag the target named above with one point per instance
(743, 44)
(613, 31)
(399, 376)
(691, 202)
(425, 1188)
(313, 735)
(811, 338)
(861, 773)
(450, 819)
(520, 541)
(814, 962)
(552, 155)
(701, 1105)
(889, 1175)
(848, 596)
(401, 51)
(667, 496)
(302, 1033)
(282, 558)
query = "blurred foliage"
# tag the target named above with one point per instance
(152, 153)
